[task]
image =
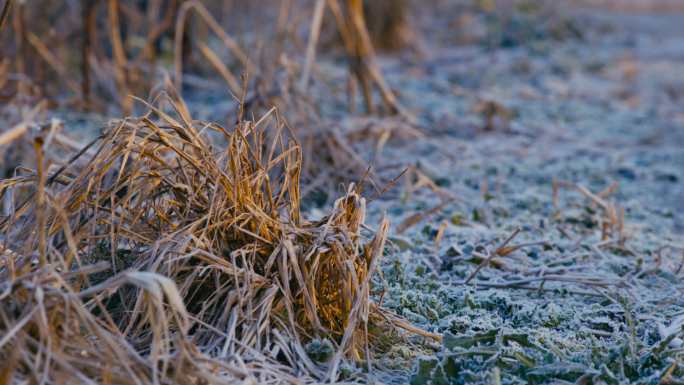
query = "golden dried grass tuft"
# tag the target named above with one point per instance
(155, 255)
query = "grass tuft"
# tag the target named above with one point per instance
(174, 251)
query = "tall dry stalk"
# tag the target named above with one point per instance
(352, 26)
(119, 53)
(20, 41)
(228, 41)
(4, 14)
(389, 24)
(88, 14)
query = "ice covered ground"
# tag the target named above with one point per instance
(576, 303)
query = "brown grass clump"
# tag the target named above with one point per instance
(155, 255)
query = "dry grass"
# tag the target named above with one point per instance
(171, 250)
(156, 256)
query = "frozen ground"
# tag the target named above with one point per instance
(573, 307)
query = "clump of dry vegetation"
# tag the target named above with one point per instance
(155, 255)
(174, 250)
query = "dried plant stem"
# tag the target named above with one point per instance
(4, 14)
(228, 41)
(20, 129)
(87, 20)
(19, 24)
(221, 69)
(486, 260)
(357, 42)
(41, 207)
(314, 32)
(158, 29)
(53, 61)
(119, 53)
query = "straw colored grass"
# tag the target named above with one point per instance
(174, 251)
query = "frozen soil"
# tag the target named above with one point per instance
(573, 306)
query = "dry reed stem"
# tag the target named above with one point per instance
(352, 26)
(20, 129)
(88, 14)
(120, 61)
(157, 28)
(314, 33)
(218, 65)
(21, 61)
(228, 41)
(6, 7)
(53, 61)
